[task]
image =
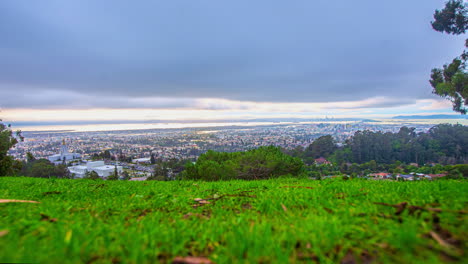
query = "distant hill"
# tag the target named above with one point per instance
(431, 117)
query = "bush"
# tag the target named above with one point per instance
(255, 164)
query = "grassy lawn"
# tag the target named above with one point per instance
(274, 221)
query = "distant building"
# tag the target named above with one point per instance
(99, 167)
(64, 156)
(321, 161)
(139, 179)
(380, 175)
(437, 176)
(142, 160)
(405, 177)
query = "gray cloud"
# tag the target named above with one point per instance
(113, 53)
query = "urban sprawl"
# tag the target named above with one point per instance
(131, 151)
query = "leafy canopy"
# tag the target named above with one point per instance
(451, 82)
(255, 164)
(8, 166)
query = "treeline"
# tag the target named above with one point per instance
(43, 168)
(364, 169)
(166, 170)
(364, 153)
(444, 144)
(255, 164)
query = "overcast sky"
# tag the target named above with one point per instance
(221, 56)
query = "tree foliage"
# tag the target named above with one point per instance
(322, 147)
(8, 166)
(452, 19)
(255, 164)
(43, 168)
(447, 144)
(451, 82)
(91, 175)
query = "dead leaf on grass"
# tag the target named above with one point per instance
(200, 202)
(284, 207)
(47, 218)
(16, 201)
(246, 206)
(302, 187)
(51, 192)
(440, 240)
(4, 232)
(308, 256)
(330, 211)
(349, 259)
(340, 195)
(191, 260)
(418, 209)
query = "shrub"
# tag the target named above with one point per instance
(255, 164)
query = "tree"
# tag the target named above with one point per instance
(115, 175)
(254, 164)
(321, 147)
(7, 141)
(126, 176)
(41, 168)
(61, 171)
(452, 19)
(30, 157)
(451, 82)
(92, 175)
(160, 172)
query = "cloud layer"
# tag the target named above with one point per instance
(175, 54)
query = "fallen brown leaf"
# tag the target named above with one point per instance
(191, 260)
(4, 232)
(349, 259)
(246, 206)
(414, 208)
(47, 218)
(51, 192)
(303, 187)
(284, 207)
(340, 195)
(16, 201)
(439, 239)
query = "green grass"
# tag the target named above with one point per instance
(85, 221)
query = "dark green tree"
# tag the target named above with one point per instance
(61, 171)
(255, 164)
(92, 175)
(160, 172)
(321, 147)
(451, 82)
(7, 140)
(41, 168)
(30, 157)
(126, 176)
(115, 175)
